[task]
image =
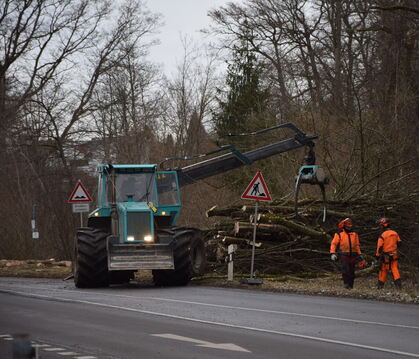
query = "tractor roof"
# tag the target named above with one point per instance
(129, 167)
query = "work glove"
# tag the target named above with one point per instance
(333, 257)
(362, 264)
(359, 258)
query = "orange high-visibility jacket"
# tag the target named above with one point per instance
(345, 243)
(387, 242)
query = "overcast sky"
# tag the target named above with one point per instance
(181, 17)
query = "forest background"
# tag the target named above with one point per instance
(77, 89)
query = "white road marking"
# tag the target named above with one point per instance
(246, 309)
(85, 357)
(48, 348)
(9, 338)
(5, 336)
(295, 335)
(41, 345)
(53, 349)
(203, 343)
(286, 313)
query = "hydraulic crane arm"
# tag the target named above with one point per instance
(235, 159)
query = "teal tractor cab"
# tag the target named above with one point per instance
(134, 227)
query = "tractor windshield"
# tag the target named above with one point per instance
(167, 189)
(136, 187)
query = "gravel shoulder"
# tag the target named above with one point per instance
(364, 288)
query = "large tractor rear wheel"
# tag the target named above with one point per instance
(91, 259)
(189, 260)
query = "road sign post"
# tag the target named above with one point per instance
(35, 232)
(230, 259)
(256, 190)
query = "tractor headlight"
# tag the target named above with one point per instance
(130, 238)
(148, 238)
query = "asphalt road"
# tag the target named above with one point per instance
(138, 321)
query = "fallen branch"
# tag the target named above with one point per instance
(234, 240)
(300, 228)
(244, 227)
(223, 212)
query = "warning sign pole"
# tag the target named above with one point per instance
(257, 191)
(252, 279)
(254, 241)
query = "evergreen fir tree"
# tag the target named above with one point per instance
(242, 107)
(244, 100)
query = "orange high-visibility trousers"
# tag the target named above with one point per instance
(389, 264)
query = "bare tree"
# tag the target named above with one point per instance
(337, 66)
(130, 103)
(56, 54)
(40, 39)
(190, 95)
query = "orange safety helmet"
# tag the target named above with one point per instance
(383, 222)
(347, 222)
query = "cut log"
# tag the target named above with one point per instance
(291, 225)
(243, 227)
(289, 209)
(240, 241)
(329, 212)
(222, 233)
(222, 212)
(268, 209)
(252, 218)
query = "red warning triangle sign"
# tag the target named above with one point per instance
(79, 194)
(257, 189)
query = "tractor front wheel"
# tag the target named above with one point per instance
(91, 259)
(189, 261)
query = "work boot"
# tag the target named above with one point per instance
(398, 283)
(380, 285)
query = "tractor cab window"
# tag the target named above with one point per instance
(135, 187)
(167, 189)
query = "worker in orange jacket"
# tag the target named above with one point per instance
(387, 245)
(345, 245)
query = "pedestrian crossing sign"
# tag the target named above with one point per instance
(257, 189)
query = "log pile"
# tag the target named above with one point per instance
(46, 263)
(289, 245)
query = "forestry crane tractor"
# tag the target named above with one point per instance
(134, 224)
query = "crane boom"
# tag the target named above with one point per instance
(229, 161)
